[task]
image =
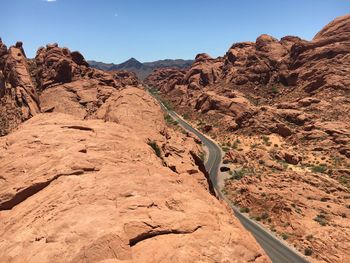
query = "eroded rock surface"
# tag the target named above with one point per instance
(280, 109)
(95, 174)
(18, 97)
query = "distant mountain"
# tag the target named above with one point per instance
(142, 70)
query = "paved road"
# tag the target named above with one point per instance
(276, 249)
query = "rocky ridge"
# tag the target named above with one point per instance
(93, 173)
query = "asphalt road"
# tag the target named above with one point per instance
(276, 249)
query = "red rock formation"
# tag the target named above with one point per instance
(281, 110)
(19, 100)
(97, 174)
(53, 67)
(95, 190)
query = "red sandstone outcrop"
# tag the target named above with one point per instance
(19, 100)
(94, 190)
(95, 174)
(55, 65)
(54, 71)
(280, 108)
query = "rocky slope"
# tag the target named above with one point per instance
(95, 174)
(280, 109)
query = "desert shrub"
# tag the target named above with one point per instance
(254, 145)
(318, 168)
(285, 236)
(244, 210)
(153, 91)
(239, 174)
(264, 216)
(344, 181)
(225, 148)
(155, 147)
(274, 90)
(266, 140)
(170, 120)
(186, 116)
(168, 105)
(321, 219)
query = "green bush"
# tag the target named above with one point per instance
(285, 236)
(167, 104)
(266, 140)
(155, 147)
(344, 181)
(274, 90)
(244, 210)
(153, 91)
(186, 116)
(239, 174)
(170, 120)
(254, 145)
(319, 168)
(321, 219)
(225, 148)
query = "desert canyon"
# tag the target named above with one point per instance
(93, 170)
(281, 111)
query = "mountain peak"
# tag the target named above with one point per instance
(130, 63)
(132, 60)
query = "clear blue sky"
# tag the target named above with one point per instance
(115, 30)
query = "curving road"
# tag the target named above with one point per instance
(276, 249)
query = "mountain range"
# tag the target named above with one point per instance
(142, 70)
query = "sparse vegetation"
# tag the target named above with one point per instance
(239, 174)
(225, 148)
(344, 181)
(155, 147)
(254, 145)
(321, 219)
(153, 91)
(244, 210)
(167, 104)
(285, 236)
(284, 164)
(266, 140)
(201, 156)
(319, 168)
(170, 120)
(264, 216)
(337, 161)
(274, 90)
